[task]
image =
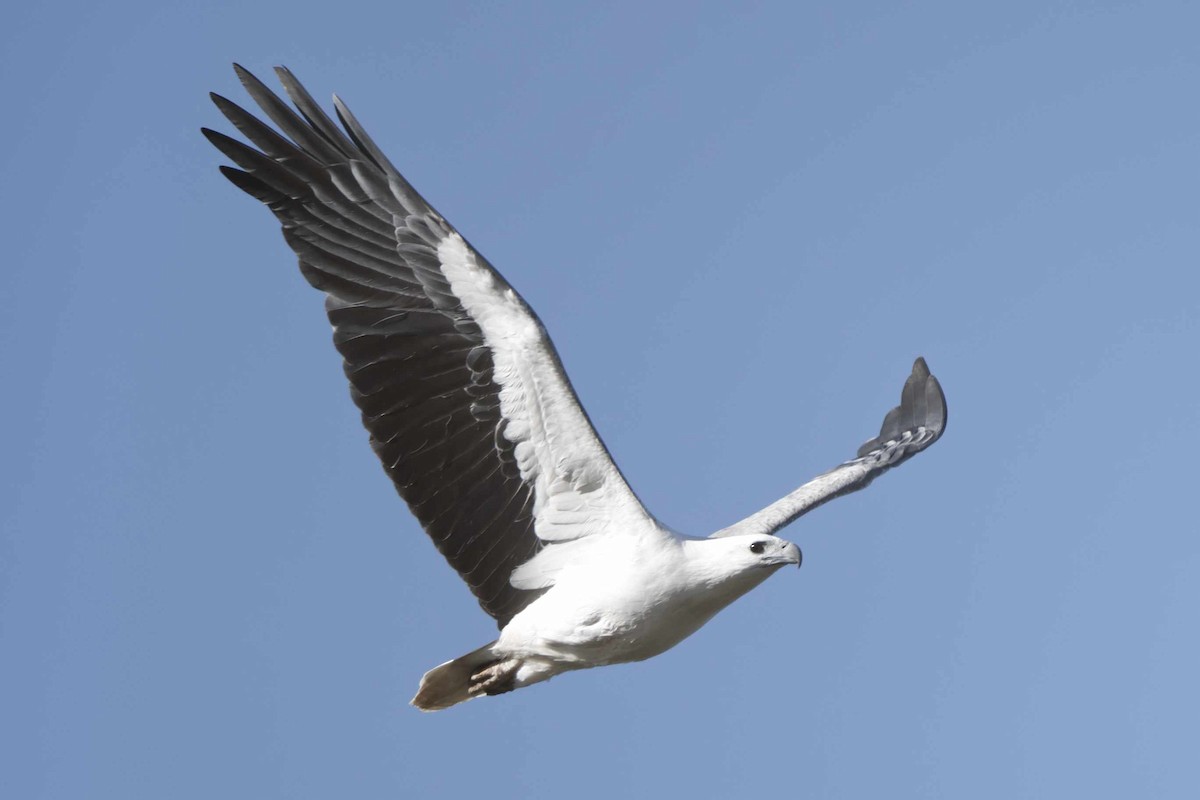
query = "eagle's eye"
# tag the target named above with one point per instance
(758, 547)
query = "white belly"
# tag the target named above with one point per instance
(628, 613)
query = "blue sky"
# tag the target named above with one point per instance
(740, 226)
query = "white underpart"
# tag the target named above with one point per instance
(577, 490)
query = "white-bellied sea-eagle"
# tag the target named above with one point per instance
(469, 410)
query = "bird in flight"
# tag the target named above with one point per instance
(469, 409)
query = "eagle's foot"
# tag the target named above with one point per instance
(497, 677)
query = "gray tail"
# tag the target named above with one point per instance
(450, 684)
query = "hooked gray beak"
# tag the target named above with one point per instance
(791, 555)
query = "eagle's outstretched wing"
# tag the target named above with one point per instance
(460, 388)
(909, 428)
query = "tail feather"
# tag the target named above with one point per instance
(450, 684)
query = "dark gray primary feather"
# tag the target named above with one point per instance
(419, 368)
(922, 405)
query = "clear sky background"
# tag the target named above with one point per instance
(740, 225)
